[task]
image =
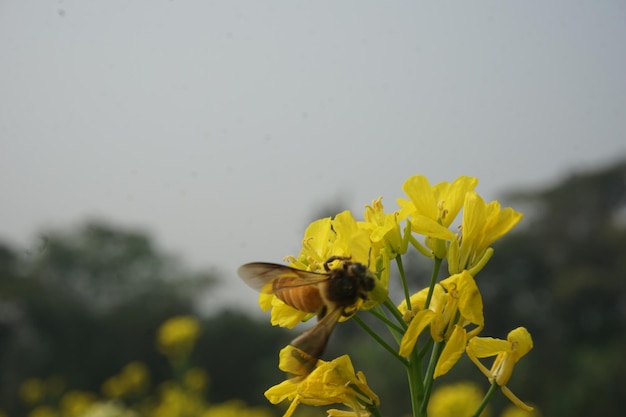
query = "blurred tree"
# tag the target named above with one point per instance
(84, 304)
(564, 278)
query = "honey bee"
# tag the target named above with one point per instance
(330, 295)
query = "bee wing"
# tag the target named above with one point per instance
(260, 275)
(312, 343)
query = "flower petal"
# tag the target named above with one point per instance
(483, 347)
(452, 351)
(417, 325)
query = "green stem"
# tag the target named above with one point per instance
(405, 286)
(374, 410)
(430, 371)
(420, 248)
(426, 347)
(415, 383)
(494, 387)
(433, 280)
(395, 312)
(390, 324)
(380, 341)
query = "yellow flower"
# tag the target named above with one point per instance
(32, 391)
(386, 238)
(512, 411)
(482, 225)
(76, 403)
(177, 336)
(385, 232)
(235, 408)
(331, 382)
(433, 209)
(196, 380)
(108, 409)
(324, 238)
(43, 411)
(456, 303)
(459, 399)
(507, 352)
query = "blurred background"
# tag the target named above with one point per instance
(149, 148)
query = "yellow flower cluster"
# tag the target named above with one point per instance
(332, 382)
(128, 393)
(458, 399)
(451, 310)
(177, 337)
(132, 381)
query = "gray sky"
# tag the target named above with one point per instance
(221, 127)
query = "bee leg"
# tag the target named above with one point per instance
(322, 313)
(333, 259)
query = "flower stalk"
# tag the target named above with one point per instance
(441, 321)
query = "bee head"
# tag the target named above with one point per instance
(364, 277)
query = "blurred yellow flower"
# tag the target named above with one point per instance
(507, 352)
(482, 225)
(456, 303)
(43, 411)
(331, 382)
(196, 380)
(108, 409)
(432, 209)
(175, 401)
(32, 391)
(235, 408)
(133, 380)
(460, 399)
(177, 336)
(76, 403)
(513, 411)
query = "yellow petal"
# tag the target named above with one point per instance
(452, 351)
(265, 301)
(284, 315)
(509, 394)
(417, 301)
(483, 347)
(417, 325)
(285, 390)
(317, 235)
(470, 302)
(521, 342)
(420, 192)
(455, 196)
(431, 228)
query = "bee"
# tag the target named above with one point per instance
(331, 295)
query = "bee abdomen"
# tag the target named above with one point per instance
(305, 298)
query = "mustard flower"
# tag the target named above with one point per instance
(177, 337)
(458, 399)
(432, 209)
(324, 238)
(133, 380)
(507, 352)
(482, 225)
(76, 403)
(333, 382)
(43, 411)
(235, 408)
(455, 304)
(32, 391)
(385, 232)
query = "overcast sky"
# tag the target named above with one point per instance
(221, 127)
